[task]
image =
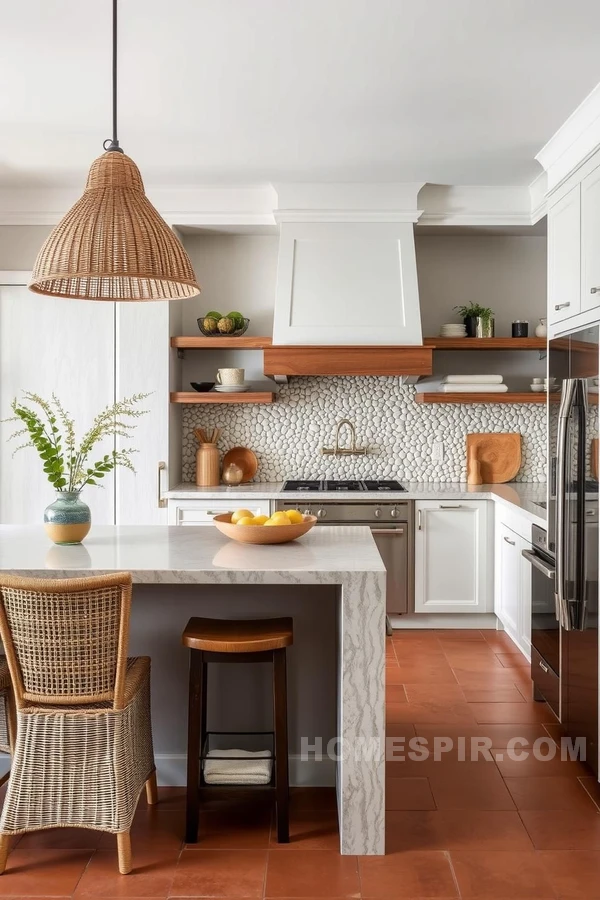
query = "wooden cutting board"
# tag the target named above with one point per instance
(498, 455)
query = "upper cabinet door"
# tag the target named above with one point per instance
(564, 257)
(590, 241)
(51, 345)
(347, 284)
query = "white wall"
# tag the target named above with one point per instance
(506, 273)
(19, 245)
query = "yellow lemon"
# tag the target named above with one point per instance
(280, 518)
(240, 514)
(260, 520)
(295, 517)
(246, 520)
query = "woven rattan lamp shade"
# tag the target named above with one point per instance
(113, 244)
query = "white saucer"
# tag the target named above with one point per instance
(231, 388)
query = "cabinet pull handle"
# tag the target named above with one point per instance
(419, 521)
(595, 290)
(450, 505)
(543, 667)
(560, 306)
(508, 541)
(161, 500)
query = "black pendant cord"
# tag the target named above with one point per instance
(113, 143)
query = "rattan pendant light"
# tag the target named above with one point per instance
(113, 244)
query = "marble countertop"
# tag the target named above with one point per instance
(157, 554)
(520, 495)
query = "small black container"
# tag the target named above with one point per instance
(520, 329)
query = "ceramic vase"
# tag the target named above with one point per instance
(68, 519)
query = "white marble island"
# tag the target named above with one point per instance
(333, 575)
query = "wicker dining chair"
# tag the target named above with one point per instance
(7, 714)
(83, 749)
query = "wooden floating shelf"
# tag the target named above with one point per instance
(336, 360)
(520, 397)
(220, 343)
(495, 343)
(217, 397)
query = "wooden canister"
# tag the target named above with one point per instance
(207, 465)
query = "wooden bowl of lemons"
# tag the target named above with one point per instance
(280, 528)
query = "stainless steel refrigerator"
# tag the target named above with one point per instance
(573, 528)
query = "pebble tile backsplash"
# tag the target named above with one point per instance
(406, 441)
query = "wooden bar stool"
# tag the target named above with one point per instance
(243, 641)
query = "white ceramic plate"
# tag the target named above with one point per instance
(231, 388)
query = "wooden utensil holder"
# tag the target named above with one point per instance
(207, 465)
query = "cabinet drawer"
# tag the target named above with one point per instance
(193, 512)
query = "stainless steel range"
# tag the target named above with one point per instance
(353, 484)
(391, 523)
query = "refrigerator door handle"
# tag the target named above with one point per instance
(567, 400)
(580, 605)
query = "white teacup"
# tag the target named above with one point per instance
(230, 376)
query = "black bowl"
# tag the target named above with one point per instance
(202, 386)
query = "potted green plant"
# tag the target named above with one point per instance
(479, 320)
(51, 431)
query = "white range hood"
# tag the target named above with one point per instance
(347, 272)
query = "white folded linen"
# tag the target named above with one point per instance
(472, 379)
(254, 768)
(474, 388)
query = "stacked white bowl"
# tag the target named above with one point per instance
(452, 330)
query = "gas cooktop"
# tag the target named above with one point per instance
(352, 485)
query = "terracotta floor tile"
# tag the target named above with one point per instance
(508, 694)
(408, 793)
(63, 839)
(315, 798)
(219, 830)
(460, 829)
(485, 679)
(425, 673)
(554, 730)
(499, 735)
(528, 767)
(470, 786)
(512, 713)
(151, 876)
(399, 730)
(499, 641)
(445, 763)
(310, 830)
(590, 785)
(513, 661)
(440, 693)
(459, 634)
(497, 874)
(171, 798)
(549, 793)
(483, 661)
(573, 829)
(314, 873)
(41, 873)
(395, 693)
(573, 873)
(433, 711)
(407, 875)
(393, 675)
(220, 873)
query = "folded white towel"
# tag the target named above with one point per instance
(472, 379)
(254, 768)
(474, 388)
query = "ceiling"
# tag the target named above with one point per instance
(255, 91)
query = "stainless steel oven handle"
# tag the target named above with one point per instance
(540, 565)
(564, 413)
(387, 530)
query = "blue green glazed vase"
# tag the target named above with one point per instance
(68, 519)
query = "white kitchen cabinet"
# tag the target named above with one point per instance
(453, 557)
(590, 241)
(90, 354)
(201, 512)
(564, 257)
(512, 590)
(350, 283)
